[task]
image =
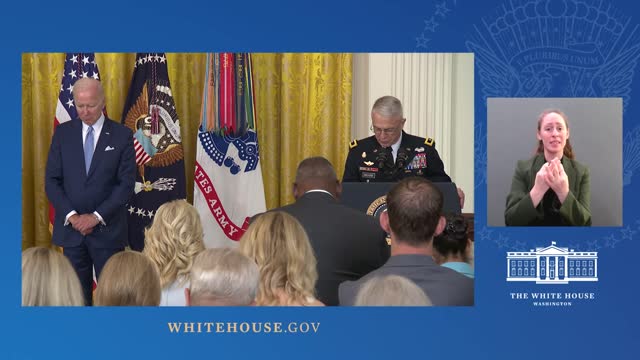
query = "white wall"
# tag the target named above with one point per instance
(436, 91)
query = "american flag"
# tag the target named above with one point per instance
(76, 66)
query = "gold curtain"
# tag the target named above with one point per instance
(304, 109)
(303, 104)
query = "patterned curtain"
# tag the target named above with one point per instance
(303, 103)
(304, 109)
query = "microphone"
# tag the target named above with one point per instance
(383, 157)
(401, 159)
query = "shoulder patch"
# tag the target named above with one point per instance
(353, 143)
(429, 141)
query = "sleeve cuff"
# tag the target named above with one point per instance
(70, 214)
(99, 217)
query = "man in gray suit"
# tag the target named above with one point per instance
(413, 217)
(347, 243)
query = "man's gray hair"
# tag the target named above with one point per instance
(223, 276)
(388, 107)
(391, 290)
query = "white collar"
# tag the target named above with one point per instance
(319, 190)
(97, 127)
(396, 146)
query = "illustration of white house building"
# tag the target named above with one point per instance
(552, 265)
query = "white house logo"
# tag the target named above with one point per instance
(552, 265)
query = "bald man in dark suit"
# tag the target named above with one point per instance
(347, 243)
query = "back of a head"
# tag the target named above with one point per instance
(391, 290)
(414, 207)
(316, 172)
(223, 277)
(48, 279)
(128, 279)
(454, 239)
(279, 245)
(174, 239)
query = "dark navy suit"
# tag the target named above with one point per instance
(105, 189)
(347, 243)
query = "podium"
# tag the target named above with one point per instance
(368, 197)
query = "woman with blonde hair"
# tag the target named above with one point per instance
(48, 279)
(279, 245)
(172, 242)
(128, 279)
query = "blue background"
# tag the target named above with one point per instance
(497, 327)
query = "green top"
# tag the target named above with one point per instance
(575, 211)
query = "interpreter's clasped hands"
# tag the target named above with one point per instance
(552, 176)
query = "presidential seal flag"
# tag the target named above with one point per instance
(228, 186)
(76, 66)
(150, 112)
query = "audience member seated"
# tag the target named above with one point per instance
(279, 245)
(128, 279)
(451, 247)
(391, 290)
(48, 279)
(222, 277)
(413, 217)
(171, 243)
